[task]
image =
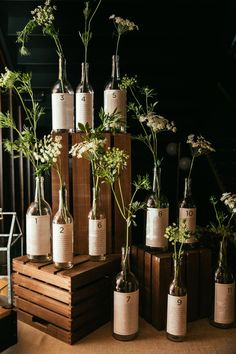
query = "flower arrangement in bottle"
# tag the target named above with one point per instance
(43, 17)
(176, 327)
(84, 90)
(115, 96)
(223, 315)
(27, 143)
(187, 207)
(62, 92)
(152, 125)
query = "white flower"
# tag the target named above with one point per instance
(229, 200)
(199, 145)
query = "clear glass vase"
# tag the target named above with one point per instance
(38, 226)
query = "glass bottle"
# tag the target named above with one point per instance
(97, 229)
(38, 226)
(84, 99)
(62, 101)
(187, 213)
(224, 292)
(176, 326)
(125, 301)
(157, 215)
(62, 234)
(115, 98)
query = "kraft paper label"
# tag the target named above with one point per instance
(97, 237)
(189, 215)
(157, 221)
(224, 303)
(126, 313)
(62, 111)
(115, 99)
(62, 242)
(38, 235)
(177, 315)
(84, 108)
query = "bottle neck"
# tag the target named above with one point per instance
(125, 259)
(222, 262)
(85, 73)
(177, 278)
(62, 75)
(115, 72)
(156, 184)
(62, 198)
(39, 189)
(187, 187)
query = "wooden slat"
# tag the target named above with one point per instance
(205, 282)
(42, 288)
(64, 161)
(140, 277)
(48, 328)
(81, 199)
(45, 314)
(44, 301)
(147, 293)
(59, 333)
(122, 141)
(161, 276)
(106, 199)
(4, 312)
(84, 272)
(192, 284)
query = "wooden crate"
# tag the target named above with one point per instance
(77, 175)
(154, 272)
(8, 328)
(66, 304)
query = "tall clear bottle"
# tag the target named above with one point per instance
(176, 327)
(38, 226)
(62, 231)
(224, 292)
(125, 301)
(115, 98)
(157, 215)
(62, 101)
(84, 99)
(97, 228)
(187, 213)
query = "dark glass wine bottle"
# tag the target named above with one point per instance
(62, 101)
(97, 229)
(38, 226)
(177, 306)
(62, 230)
(157, 215)
(115, 99)
(224, 292)
(84, 99)
(188, 212)
(126, 301)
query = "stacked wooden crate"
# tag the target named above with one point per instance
(66, 304)
(154, 272)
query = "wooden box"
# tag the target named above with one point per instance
(66, 304)
(8, 328)
(77, 175)
(154, 272)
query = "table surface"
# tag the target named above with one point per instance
(201, 338)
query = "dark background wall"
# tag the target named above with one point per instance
(184, 50)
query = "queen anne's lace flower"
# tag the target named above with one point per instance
(229, 200)
(44, 15)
